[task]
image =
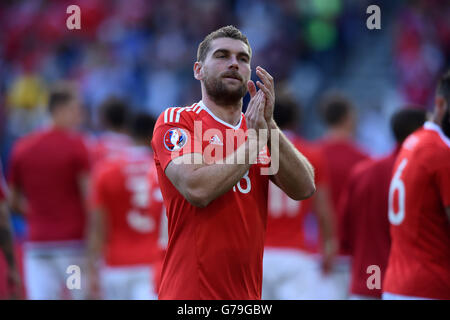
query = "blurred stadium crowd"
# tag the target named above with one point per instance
(143, 51)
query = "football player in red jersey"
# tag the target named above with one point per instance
(126, 221)
(341, 154)
(364, 211)
(291, 264)
(8, 268)
(49, 168)
(217, 208)
(113, 114)
(419, 209)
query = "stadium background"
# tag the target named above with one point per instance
(143, 51)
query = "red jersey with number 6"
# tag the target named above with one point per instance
(419, 261)
(213, 252)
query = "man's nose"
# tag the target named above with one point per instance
(233, 63)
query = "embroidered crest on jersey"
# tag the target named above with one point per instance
(175, 139)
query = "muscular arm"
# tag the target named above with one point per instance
(202, 183)
(324, 213)
(295, 174)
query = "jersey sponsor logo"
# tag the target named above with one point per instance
(263, 156)
(175, 139)
(215, 140)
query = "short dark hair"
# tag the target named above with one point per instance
(60, 95)
(334, 108)
(224, 32)
(114, 113)
(406, 121)
(286, 112)
(141, 126)
(443, 87)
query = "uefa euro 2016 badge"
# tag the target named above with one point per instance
(175, 139)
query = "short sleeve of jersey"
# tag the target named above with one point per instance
(155, 190)
(442, 178)
(174, 136)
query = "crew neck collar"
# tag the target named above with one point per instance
(220, 120)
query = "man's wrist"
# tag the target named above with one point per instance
(271, 125)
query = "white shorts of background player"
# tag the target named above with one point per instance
(45, 270)
(336, 284)
(289, 274)
(128, 283)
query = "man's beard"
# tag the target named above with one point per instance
(446, 122)
(217, 90)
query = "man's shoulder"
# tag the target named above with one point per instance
(174, 116)
(427, 147)
(25, 142)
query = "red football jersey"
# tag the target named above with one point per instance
(126, 188)
(214, 252)
(108, 144)
(419, 261)
(285, 223)
(364, 230)
(46, 167)
(340, 157)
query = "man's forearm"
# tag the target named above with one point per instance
(295, 175)
(325, 215)
(96, 235)
(209, 182)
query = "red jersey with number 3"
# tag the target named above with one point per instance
(213, 252)
(127, 189)
(419, 261)
(285, 223)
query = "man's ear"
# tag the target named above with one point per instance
(198, 71)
